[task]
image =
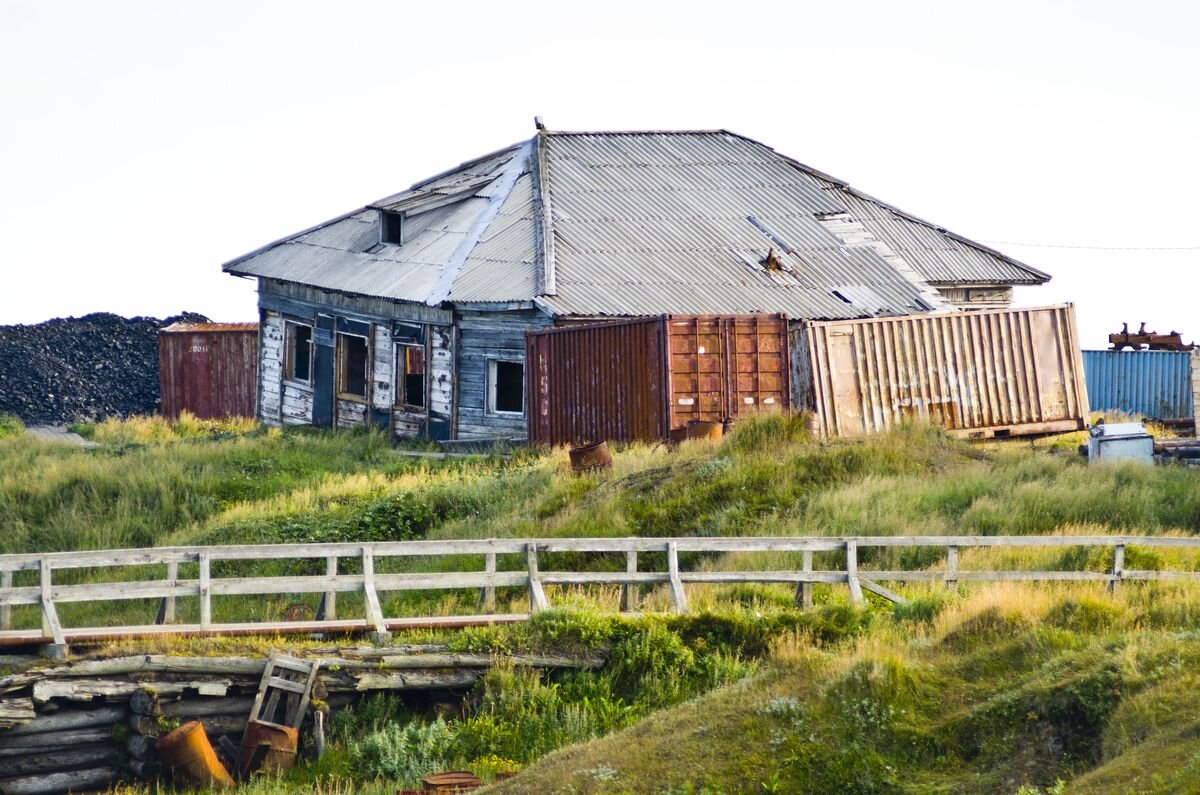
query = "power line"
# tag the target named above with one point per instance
(1091, 248)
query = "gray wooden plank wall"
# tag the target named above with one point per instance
(484, 335)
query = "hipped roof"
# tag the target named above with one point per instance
(640, 223)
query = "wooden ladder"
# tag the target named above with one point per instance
(293, 679)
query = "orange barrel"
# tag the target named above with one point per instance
(189, 756)
(591, 456)
(703, 429)
(280, 741)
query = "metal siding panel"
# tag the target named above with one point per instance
(623, 381)
(975, 374)
(210, 370)
(1155, 384)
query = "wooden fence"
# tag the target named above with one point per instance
(369, 582)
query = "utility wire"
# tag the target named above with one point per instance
(1091, 248)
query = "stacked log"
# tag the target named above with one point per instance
(59, 726)
(70, 749)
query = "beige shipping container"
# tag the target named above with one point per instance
(1008, 372)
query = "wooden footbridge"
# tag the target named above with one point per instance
(175, 575)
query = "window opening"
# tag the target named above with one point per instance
(507, 390)
(298, 354)
(410, 389)
(391, 227)
(352, 366)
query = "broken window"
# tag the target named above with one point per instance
(506, 386)
(391, 227)
(352, 366)
(410, 375)
(298, 352)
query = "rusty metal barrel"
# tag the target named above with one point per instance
(189, 756)
(278, 744)
(589, 457)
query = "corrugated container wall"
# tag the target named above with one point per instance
(1155, 384)
(978, 374)
(209, 369)
(640, 379)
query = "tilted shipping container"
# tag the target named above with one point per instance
(640, 379)
(1155, 384)
(1004, 372)
(209, 369)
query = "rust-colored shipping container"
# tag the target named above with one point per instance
(640, 379)
(209, 369)
(1008, 372)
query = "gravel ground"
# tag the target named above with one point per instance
(81, 369)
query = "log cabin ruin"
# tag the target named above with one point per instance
(83, 725)
(410, 313)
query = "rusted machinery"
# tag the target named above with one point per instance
(1148, 340)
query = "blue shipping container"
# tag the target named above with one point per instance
(1155, 384)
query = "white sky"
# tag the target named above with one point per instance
(143, 144)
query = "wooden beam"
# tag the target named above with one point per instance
(951, 566)
(205, 589)
(886, 593)
(6, 579)
(50, 622)
(1118, 567)
(371, 596)
(804, 593)
(166, 608)
(678, 595)
(537, 596)
(629, 591)
(487, 594)
(856, 597)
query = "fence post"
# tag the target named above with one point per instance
(371, 597)
(856, 596)
(487, 594)
(629, 591)
(50, 622)
(1118, 569)
(951, 567)
(6, 578)
(678, 595)
(803, 597)
(166, 607)
(205, 589)
(327, 609)
(537, 596)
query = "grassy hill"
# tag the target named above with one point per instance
(984, 689)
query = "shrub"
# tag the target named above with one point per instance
(10, 426)
(406, 752)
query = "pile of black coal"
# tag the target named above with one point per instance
(82, 368)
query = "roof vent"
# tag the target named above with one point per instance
(537, 122)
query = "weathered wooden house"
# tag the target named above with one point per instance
(410, 313)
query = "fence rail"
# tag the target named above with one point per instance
(369, 582)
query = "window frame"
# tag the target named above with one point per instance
(341, 369)
(400, 400)
(491, 384)
(289, 350)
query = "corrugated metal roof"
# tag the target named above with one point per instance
(940, 256)
(647, 223)
(643, 223)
